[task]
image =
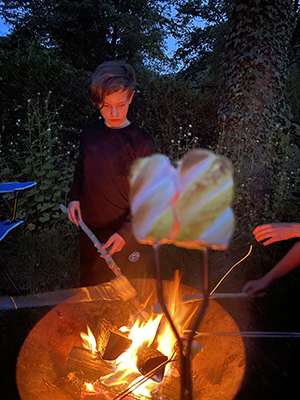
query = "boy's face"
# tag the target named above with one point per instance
(115, 108)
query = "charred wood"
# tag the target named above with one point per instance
(150, 358)
(81, 360)
(110, 341)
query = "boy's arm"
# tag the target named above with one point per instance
(146, 148)
(289, 262)
(126, 230)
(118, 239)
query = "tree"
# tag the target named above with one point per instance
(178, 117)
(253, 114)
(87, 32)
(197, 43)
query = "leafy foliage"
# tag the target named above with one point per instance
(88, 32)
(55, 45)
(37, 154)
(199, 45)
(169, 108)
(254, 117)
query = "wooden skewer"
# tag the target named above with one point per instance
(250, 334)
(196, 297)
(120, 283)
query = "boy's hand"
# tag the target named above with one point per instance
(276, 232)
(74, 211)
(116, 242)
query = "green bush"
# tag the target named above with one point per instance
(38, 154)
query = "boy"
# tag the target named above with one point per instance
(99, 192)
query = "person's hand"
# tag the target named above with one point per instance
(115, 243)
(74, 211)
(252, 287)
(276, 232)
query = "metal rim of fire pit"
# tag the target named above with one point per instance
(218, 369)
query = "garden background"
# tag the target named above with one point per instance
(231, 86)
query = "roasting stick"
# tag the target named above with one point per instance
(109, 260)
(121, 284)
(104, 291)
(196, 297)
(212, 295)
(237, 263)
(250, 334)
(143, 379)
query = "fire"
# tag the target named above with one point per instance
(89, 387)
(89, 341)
(124, 370)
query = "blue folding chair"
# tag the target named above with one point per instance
(9, 224)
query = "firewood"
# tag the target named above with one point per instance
(83, 360)
(149, 358)
(110, 341)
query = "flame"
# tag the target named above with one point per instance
(89, 387)
(89, 341)
(142, 333)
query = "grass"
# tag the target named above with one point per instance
(41, 261)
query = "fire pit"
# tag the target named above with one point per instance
(217, 370)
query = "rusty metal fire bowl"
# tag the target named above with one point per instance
(217, 370)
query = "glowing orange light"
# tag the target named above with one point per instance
(89, 387)
(124, 370)
(89, 341)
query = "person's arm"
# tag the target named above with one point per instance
(289, 262)
(276, 232)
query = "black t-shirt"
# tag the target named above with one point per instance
(101, 173)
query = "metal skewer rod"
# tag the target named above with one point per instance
(143, 379)
(241, 295)
(251, 334)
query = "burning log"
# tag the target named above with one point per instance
(111, 342)
(85, 364)
(149, 358)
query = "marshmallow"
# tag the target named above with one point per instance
(152, 191)
(206, 192)
(189, 207)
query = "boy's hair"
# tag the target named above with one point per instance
(110, 77)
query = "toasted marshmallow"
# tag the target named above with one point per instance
(152, 190)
